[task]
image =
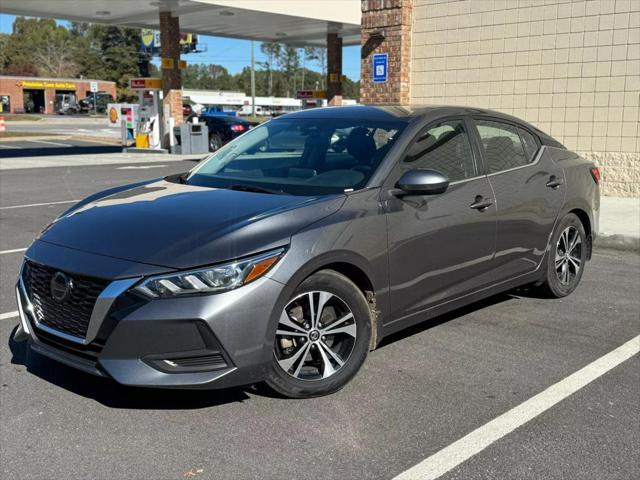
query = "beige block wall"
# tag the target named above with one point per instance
(572, 68)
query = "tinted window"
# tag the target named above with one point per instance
(444, 147)
(530, 144)
(502, 146)
(301, 156)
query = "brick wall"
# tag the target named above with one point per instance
(572, 68)
(392, 20)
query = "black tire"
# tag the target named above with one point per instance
(555, 282)
(215, 142)
(348, 294)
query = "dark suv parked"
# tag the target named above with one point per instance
(292, 251)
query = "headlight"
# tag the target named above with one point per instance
(216, 279)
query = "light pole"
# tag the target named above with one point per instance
(253, 83)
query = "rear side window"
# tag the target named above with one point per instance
(530, 144)
(502, 145)
(443, 147)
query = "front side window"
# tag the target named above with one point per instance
(302, 156)
(502, 145)
(443, 147)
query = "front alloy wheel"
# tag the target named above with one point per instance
(315, 336)
(321, 338)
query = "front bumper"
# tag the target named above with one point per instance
(209, 341)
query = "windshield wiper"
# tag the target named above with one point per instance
(182, 178)
(254, 188)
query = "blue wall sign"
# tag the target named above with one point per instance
(380, 70)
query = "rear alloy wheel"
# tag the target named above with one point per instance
(322, 337)
(215, 143)
(567, 257)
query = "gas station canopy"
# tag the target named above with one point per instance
(296, 23)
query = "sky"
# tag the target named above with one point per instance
(232, 54)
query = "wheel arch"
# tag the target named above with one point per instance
(584, 218)
(356, 269)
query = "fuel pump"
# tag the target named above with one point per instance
(149, 126)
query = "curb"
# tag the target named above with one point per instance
(617, 242)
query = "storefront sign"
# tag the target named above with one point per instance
(145, 83)
(42, 84)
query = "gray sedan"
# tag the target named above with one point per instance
(285, 258)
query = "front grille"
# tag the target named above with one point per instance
(71, 316)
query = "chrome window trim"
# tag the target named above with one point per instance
(465, 180)
(535, 162)
(98, 314)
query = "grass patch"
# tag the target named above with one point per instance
(20, 117)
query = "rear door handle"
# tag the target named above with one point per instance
(481, 203)
(554, 182)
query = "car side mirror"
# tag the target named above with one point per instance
(421, 182)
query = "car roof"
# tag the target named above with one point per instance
(375, 112)
(410, 113)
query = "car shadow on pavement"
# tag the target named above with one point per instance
(444, 318)
(114, 395)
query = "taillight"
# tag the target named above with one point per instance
(595, 173)
(238, 127)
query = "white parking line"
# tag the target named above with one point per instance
(38, 204)
(15, 250)
(10, 147)
(52, 143)
(140, 167)
(458, 452)
(8, 315)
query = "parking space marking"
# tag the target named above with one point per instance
(38, 204)
(15, 250)
(458, 452)
(52, 143)
(8, 315)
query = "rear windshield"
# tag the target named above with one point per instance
(301, 156)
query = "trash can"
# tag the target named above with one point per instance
(191, 138)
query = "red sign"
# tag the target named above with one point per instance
(145, 83)
(302, 94)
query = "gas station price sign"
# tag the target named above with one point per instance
(145, 83)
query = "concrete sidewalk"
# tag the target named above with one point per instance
(619, 223)
(10, 163)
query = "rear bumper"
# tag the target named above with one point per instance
(212, 341)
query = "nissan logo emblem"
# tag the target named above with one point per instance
(61, 287)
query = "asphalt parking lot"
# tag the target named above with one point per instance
(420, 392)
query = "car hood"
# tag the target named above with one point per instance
(182, 226)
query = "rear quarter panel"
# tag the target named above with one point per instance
(582, 192)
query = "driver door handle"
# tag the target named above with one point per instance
(481, 203)
(554, 182)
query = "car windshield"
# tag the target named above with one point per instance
(309, 156)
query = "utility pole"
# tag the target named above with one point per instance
(253, 83)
